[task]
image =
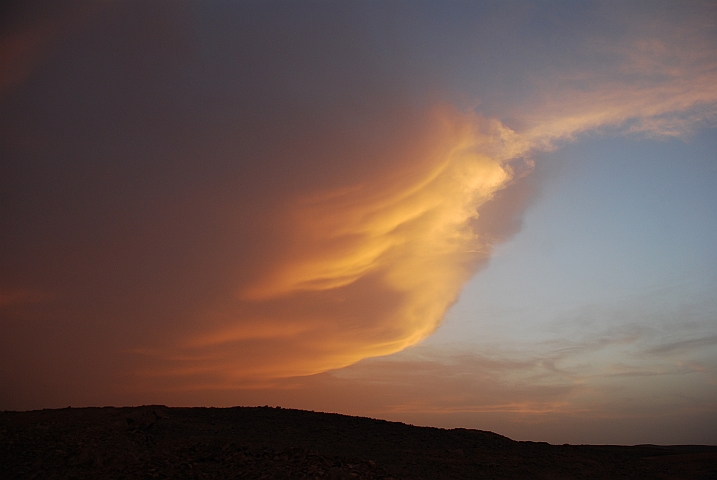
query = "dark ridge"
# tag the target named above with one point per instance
(277, 443)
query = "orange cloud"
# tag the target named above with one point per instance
(253, 206)
(372, 267)
(403, 224)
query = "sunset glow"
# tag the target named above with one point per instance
(482, 215)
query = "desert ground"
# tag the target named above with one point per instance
(273, 443)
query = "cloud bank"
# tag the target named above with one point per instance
(226, 196)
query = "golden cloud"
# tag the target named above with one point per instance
(373, 265)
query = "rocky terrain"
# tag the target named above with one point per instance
(272, 443)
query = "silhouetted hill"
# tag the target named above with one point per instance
(273, 443)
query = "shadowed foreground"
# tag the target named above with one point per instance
(268, 443)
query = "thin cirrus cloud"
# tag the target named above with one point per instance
(224, 197)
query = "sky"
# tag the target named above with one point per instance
(491, 215)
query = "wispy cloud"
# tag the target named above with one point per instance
(681, 346)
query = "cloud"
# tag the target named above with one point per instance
(684, 345)
(356, 282)
(230, 195)
(671, 103)
(542, 387)
(407, 239)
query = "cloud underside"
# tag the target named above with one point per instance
(257, 214)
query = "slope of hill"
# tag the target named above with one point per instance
(274, 443)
